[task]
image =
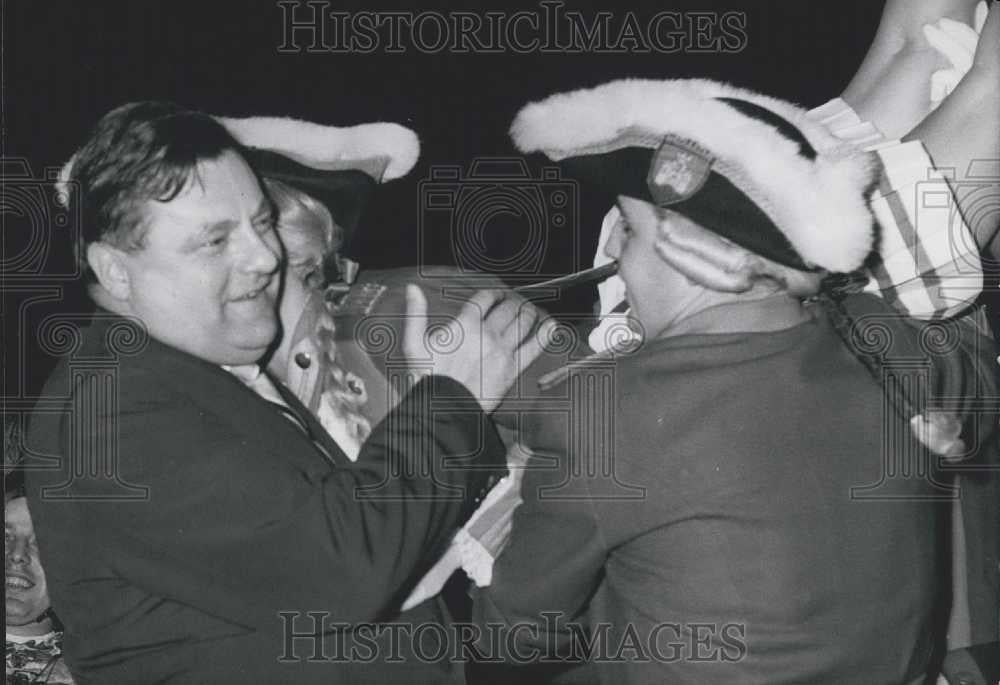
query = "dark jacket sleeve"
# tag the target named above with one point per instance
(238, 531)
(950, 366)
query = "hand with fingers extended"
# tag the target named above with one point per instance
(974, 100)
(986, 61)
(491, 341)
(958, 43)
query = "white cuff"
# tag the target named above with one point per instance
(840, 119)
(477, 562)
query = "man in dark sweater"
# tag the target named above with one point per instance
(761, 505)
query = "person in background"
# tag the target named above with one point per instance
(305, 359)
(34, 634)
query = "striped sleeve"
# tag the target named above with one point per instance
(928, 263)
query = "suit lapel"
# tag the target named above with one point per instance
(218, 392)
(316, 429)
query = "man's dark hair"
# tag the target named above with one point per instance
(13, 482)
(13, 485)
(138, 152)
(11, 439)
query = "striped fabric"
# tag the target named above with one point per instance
(928, 263)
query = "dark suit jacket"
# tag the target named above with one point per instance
(237, 524)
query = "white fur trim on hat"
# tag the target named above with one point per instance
(315, 145)
(322, 146)
(819, 205)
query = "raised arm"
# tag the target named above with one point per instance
(891, 88)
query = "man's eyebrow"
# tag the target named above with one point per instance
(217, 226)
(209, 228)
(221, 225)
(264, 211)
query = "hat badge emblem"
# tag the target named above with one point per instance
(678, 173)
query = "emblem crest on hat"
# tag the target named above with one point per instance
(679, 169)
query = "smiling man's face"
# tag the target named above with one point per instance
(205, 280)
(27, 594)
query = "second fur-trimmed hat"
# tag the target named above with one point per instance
(751, 168)
(383, 150)
(339, 166)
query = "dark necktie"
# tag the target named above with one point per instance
(261, 383)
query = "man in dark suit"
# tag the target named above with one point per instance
(197, 524)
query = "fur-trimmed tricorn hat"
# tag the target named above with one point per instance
(339, 166)
(751, 168)
(383, 150)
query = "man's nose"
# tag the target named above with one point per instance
(612, 248)
(261, 251)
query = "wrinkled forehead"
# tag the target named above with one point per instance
(219, 190)
(227, 177)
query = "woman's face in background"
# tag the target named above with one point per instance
(302, 279)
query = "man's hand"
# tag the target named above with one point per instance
(491, 341)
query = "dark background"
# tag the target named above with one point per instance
(67, 63)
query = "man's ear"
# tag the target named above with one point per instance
(704, 257)
(108, 265)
